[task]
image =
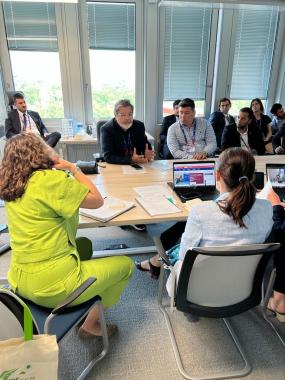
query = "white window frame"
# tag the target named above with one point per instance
(139, 77)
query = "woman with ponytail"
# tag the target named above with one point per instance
(235, 218)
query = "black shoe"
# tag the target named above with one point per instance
(153, 270)
(139, 227)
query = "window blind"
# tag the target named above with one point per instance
(254, 47)
(111, 26)
(30, 26)
(186, 44)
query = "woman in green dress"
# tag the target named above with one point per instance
(42, 203)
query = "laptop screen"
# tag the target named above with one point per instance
(276, 175)
(194, 174)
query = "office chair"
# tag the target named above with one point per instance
(99, 125)
(58, 321)
(10, 96)
(210, 290)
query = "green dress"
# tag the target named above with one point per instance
(45, 265)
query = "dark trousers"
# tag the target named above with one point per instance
(278, 138)
(279, 263)
(171, 236)
(52, 139)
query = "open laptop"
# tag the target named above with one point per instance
(276, 175)
(194, 180)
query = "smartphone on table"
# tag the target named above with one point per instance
(136, 166)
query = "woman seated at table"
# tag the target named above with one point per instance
(42, 207)
(235, 218)
(263, 123)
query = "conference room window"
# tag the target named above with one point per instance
(186, 47)
(111, 35)
(253, 53)
(32, 42)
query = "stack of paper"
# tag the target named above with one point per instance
(156, 200)
(111, 208)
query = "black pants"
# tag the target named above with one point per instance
(171, 236)
(279, 262)
(277, 138)
(52, 139)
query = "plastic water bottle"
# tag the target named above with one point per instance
(94, 131)
(70, 128)
(64, 128)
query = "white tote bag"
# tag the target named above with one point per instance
(31, 357)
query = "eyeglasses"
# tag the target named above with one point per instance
(123, 115)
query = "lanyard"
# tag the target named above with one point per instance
(128, 143)
(193, 139)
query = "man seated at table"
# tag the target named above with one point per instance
(219, 119)
(166, 123)
(23, 120)
(278, 126)
(123, 139)
(191, 137)
(243, 134)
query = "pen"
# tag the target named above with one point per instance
(170, 199)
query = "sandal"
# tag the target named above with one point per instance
(154, 271)
(138, 265)
(279, 316)
(84, 334)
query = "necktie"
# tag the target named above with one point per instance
(24, 122)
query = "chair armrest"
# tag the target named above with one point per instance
(74, 295)
(161, 251)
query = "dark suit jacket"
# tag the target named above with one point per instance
(231, 138)
(13, 123)
(217, 120)
(166, 123)
(113, 141)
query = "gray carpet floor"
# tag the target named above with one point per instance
(142, 349)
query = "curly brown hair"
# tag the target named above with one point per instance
(23, 154)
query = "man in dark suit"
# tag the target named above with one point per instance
(21, 120)
(219, 119)
(166, 123)
(123, 139)
(243, 134)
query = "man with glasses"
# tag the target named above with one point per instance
(123, 139)
(22, 120)
(220, 119)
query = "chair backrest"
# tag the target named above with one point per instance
(10, 95)
(99, 125)
(222, 281)
(12, 315)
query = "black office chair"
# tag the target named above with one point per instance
(99, 125)
(10, 96)
(58, 321)
(210, 290)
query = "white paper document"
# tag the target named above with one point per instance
(157, 205)
(264, 192)
(155, 190)
(111, 208)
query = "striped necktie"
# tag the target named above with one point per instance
(24, 122)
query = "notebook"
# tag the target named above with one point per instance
(276, 176)
(194, 180)
(111, 208)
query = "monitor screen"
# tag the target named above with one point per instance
(190, 174)
(276, 175)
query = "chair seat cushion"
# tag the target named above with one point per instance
(62, 322)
